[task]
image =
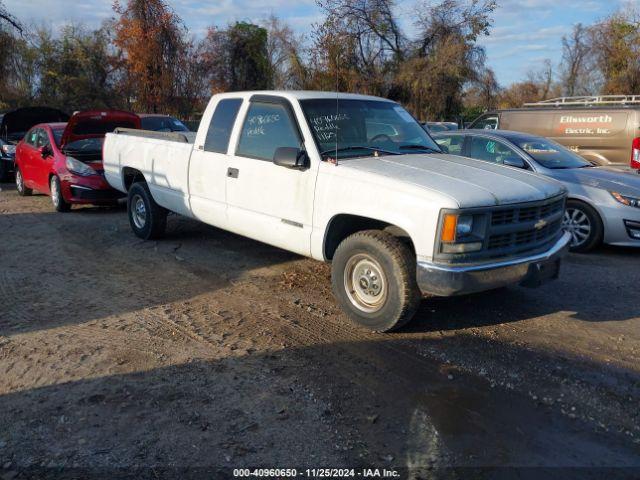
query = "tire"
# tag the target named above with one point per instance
(373, 275)
(59, 203)
(22, 190)
(148, 220)
(4, 171)
(585, 226)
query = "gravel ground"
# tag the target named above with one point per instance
(206, 351)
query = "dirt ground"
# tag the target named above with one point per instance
(206, 351)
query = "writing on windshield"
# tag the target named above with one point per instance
(355, 128)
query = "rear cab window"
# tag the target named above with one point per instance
(486, 122)
(221, 125)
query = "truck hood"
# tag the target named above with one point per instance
(96, 124)
(471, 183)
(606, 178)
(18, 122)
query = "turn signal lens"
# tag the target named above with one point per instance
(449, 226)
(626, 200)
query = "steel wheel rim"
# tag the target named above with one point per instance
(19, 184)
(138, 212)
(365, 283)
(54, 192)
(577, 223)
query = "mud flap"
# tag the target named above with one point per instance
(541, 273)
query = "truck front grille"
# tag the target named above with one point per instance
(526, 237)
(527, 228)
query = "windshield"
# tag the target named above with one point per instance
(57, 135)
(437, 127)
(84, 146)
(550, 154)
(357, 128)
(163, 124)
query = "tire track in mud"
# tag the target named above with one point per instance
(219, 310)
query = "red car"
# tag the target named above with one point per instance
(64, 160)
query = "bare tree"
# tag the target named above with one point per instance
(616, 51)
(6, 17)
(576, 50)
(444, 57)
(284, 54)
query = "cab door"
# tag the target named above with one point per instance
(27, 157)
(271, 203)
(209, 163)
(42, 164)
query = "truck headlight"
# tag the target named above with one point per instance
(76, 166)
(462, 233)
(626, 199)
(464, 226)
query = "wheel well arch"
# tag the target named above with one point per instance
(343, 225)
(131, 176)
(589, 204)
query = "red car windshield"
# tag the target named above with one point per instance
(57, 135)
(84, 146)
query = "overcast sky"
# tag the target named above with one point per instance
(524, 33)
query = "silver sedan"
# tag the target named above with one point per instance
(604, 202)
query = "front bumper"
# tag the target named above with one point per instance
(7, 163)
(92, 189)
(532, 271)
(618, 219)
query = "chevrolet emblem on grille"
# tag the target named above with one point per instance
(540, 224)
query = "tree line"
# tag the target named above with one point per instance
(145, 59)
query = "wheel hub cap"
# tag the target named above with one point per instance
(365, 283)
(139, 212)
(54, 192)
(578, 225)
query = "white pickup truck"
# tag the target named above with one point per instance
(353, 180)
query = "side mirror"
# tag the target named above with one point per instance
(46, 151)
(515, 162)
(444, 148)
(291, 157)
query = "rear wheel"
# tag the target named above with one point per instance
(22, 190)
(373, 275)
(59, 203)
(148, 220)
(584, 225)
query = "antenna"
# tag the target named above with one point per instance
(337, 103)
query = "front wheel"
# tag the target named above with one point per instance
(584, 225)
(59, 203)
(148, 220)
(22, 190)
(373, 275)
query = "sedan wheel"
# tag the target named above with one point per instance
(578, 225)
(59, 203)
(22, 189)
(584, 225)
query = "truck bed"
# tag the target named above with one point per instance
(162, 157)
(182, 137)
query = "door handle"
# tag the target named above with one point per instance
(232, 172)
